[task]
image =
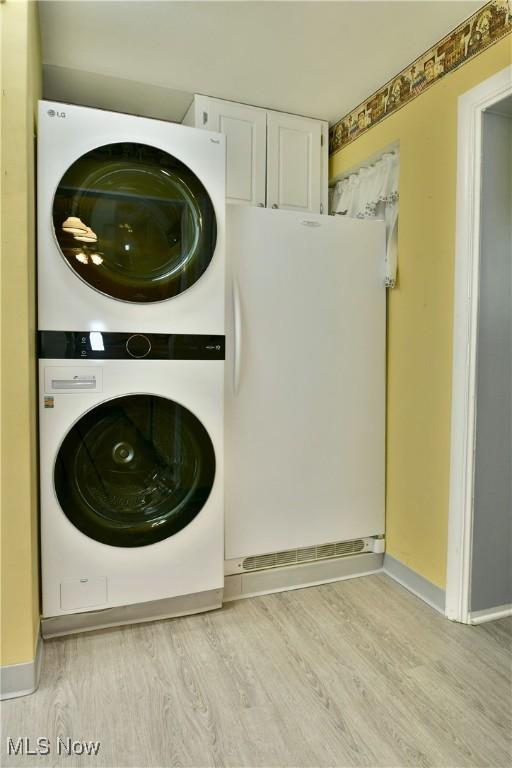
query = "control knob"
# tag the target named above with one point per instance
(138, 345)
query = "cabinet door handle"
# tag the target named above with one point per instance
(275, 205)
(261, 205)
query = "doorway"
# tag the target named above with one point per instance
(479, 574)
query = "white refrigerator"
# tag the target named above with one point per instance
(305, 380)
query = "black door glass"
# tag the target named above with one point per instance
(134, 222)
(134, 470)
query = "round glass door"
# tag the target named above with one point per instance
(134, 222)
(134, 470)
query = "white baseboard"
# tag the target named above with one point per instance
(415, 583)
(285, 578)
(21, 679)
(490, 614)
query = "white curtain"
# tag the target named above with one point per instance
(372, 193)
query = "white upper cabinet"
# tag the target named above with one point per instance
(273, 159)
(246, 139)
(293, 162)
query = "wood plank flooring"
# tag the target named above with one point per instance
(356, 673)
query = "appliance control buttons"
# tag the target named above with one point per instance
(138, 345)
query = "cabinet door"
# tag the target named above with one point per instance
(245, 129)
(293, 162)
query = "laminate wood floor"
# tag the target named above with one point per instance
(356, 673)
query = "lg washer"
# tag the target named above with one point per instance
(131, 473)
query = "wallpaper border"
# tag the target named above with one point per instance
(481, 30)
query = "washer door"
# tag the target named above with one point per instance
(134, 470)
(134, 222)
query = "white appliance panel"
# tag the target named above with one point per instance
(305, 391)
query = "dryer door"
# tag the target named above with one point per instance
(134, 470)
(134, 222)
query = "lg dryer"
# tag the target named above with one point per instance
(131, 219)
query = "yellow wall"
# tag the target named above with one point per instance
(420, 312)
(21, 87)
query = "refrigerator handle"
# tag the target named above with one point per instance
(237, 324)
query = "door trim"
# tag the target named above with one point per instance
(472, 105)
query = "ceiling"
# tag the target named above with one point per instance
(313, 58)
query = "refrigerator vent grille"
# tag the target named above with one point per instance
(304, 555)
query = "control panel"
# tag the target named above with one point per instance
(100, 345)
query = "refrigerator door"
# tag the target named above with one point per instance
(305, 383)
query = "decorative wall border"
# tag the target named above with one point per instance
(478, 32)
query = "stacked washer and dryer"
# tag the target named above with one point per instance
(131, 230)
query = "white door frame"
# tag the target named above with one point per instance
(472, 105)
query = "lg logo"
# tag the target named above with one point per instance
(53, 113)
